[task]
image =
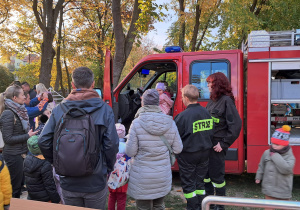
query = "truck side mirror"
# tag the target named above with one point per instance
(99, 91)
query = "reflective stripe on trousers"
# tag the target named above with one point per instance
(193, 194)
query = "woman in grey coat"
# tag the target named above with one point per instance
(151, 176)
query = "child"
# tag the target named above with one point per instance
(5, 187)
(119, 195)
(42, 122)
(38, 175)
(167, 89)
(276, 167)
(165, 103)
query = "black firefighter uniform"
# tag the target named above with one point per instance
(195, 127)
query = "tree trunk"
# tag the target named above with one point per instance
(58, 61)
(48, 54)
(123, 44)
(196, 26)
(46, 18)
(68, 76)
(207, 24)
(182, 25)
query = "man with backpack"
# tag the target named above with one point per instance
(81, 141)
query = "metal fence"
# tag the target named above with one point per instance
(249, 202)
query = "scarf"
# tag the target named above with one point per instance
(82, 94)
(20, 111)
(147, 108)
(281, 151)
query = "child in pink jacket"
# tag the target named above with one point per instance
(165, 103)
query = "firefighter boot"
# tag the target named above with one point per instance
(220, 191)
(200, 199)
(192, 203)
(209, 190)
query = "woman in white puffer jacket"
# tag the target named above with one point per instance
(151, 176)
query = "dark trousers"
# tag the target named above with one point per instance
(95, 200)
(15, 167)
(193, 167)
(116, 197)
(156, 204)
(215, 179)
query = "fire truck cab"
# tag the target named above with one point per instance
(253, 88)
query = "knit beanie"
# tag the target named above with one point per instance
(150, 97)
(32, 144)
(120, 130)
(281, 136)
(161, 86)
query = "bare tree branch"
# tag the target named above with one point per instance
(37, 16)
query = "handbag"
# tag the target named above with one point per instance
(171, 153)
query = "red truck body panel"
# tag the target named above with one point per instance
(255, 99)
(258, 90)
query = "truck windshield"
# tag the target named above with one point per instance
(139, 80)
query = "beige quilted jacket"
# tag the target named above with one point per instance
(150, 175)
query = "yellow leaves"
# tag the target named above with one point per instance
(29, 73)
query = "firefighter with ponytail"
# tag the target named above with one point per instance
(227, 127)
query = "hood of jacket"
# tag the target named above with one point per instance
(86, 99)
(155, 122)
(33, 163)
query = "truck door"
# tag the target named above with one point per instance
(196, 68)
(107, 79)
(108, 85)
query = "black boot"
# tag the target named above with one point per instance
(200, 199)
(193, 204)
(220, 192)
(209, 190)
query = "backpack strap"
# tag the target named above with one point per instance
(3, 164)
(64, 107)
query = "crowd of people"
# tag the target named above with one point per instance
(74, 153)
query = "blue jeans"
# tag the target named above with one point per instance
(95, 200)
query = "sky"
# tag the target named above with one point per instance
(159, 34)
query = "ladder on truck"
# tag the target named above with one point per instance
(262, 38)
(249, 202)
(56, 96)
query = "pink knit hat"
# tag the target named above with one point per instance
(120, 130)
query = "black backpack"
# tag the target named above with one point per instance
(76, 144)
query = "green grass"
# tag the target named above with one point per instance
(237, 186)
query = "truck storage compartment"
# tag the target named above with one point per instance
(285, 89)
(275, 89)
(290, 88)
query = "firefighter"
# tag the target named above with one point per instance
(227, 127)
(195, 128)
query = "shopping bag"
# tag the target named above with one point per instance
(120, 175)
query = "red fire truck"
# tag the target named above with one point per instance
(265, 77)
